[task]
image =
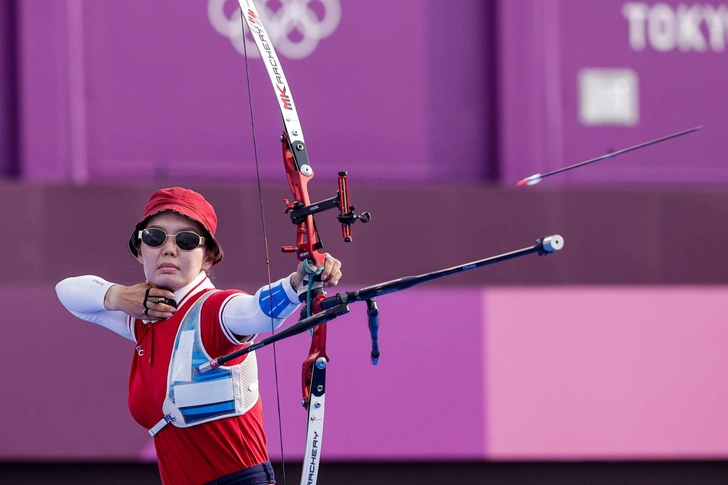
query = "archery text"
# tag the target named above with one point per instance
(314, 459)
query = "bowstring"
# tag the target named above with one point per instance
(265, 243)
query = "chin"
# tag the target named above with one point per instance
(171, 282)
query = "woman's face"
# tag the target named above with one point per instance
(168, 266)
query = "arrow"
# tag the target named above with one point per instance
(534, 179)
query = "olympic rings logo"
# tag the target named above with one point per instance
(295, 28)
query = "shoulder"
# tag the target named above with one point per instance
(215, 334)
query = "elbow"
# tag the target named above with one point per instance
(63, 290)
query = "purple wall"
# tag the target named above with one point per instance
(490, 91)
(8, 91)
(544, 45)
(377, 97)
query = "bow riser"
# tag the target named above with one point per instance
(307, 241)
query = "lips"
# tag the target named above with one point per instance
(167, 266)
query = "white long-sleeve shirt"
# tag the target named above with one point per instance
(242, 315)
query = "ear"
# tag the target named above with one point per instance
(139, 256)
(209, 259)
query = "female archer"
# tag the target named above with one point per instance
(207, 428)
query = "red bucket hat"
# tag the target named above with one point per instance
(185, 202)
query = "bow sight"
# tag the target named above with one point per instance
(298, 211)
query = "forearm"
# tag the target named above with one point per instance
(85, 296)
(263, 312)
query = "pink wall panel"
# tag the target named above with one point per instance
(606, 372)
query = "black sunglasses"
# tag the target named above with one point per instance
(185, 240)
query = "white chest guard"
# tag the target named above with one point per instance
(195, 398)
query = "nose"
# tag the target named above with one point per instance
(170, 246)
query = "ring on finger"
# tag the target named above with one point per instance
(146, 298)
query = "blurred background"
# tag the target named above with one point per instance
(603, 363)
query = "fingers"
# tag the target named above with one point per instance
(157, 311)
(331, 274)
(149, 299)
(157, 304)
